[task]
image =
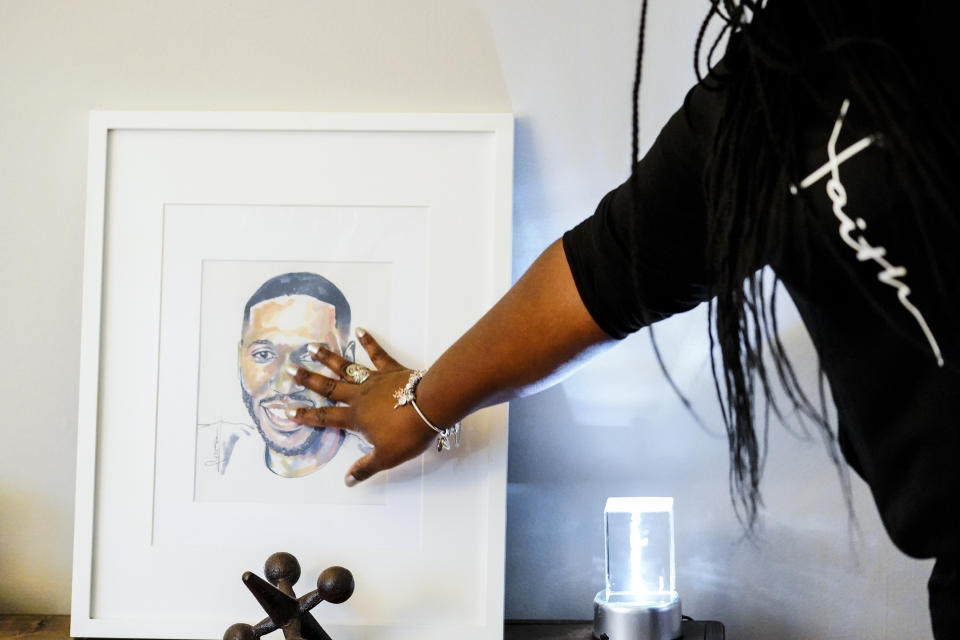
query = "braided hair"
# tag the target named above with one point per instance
(769, 75)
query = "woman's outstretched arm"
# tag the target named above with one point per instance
(537, 333)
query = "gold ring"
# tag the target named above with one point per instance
(357, 373)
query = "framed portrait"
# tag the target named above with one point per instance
(217, 246)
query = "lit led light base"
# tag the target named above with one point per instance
(640, 601)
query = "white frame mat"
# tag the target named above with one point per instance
(423, 203)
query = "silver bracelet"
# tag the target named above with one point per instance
(408, 395)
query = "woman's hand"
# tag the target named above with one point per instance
(397, 435)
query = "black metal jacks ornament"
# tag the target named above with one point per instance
(284, 610)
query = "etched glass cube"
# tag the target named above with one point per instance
(640, 564)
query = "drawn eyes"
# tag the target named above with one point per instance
(266, 355)
(263, 356)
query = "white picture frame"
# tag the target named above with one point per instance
(423, 198)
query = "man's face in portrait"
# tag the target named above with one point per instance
(276, 335)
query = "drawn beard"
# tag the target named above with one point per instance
(273, 446)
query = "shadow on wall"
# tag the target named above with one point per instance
(531, 210)
(33, 581)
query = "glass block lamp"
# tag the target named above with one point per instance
(640, 601)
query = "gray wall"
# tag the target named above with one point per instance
(615, 428)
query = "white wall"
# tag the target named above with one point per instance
(61, 58)
(615, 428)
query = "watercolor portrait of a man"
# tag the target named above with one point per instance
(282, 317)
(258, 320)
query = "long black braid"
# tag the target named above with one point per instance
(768, 76)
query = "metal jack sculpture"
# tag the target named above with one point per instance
(284, 610)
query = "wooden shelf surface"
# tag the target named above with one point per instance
(38, 627)
(34, 627)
